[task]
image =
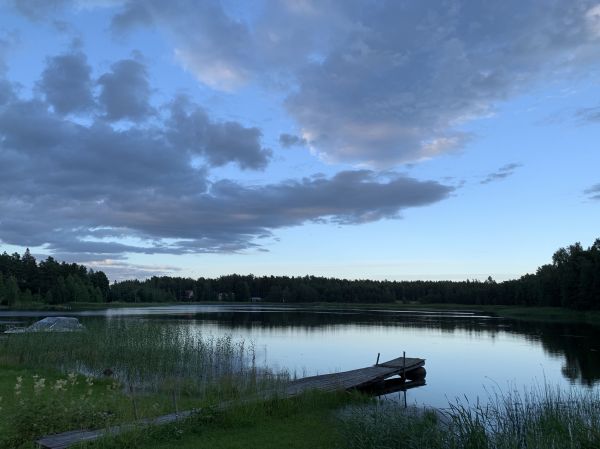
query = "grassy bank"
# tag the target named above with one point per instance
(308, 421)
(117, 372)
(40, 402)
(141, 354)
(542, 418)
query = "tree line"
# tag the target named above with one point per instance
(23, 280)
(571, 280)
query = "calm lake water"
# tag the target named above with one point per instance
(466, 353)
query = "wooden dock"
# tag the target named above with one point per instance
(357, 379)
(374, 379)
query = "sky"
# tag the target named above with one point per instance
(400, 139)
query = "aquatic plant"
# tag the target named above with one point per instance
(143, 355)
(539, 418)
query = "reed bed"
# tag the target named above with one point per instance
(539, 418)
(118, 372)
(144, 355)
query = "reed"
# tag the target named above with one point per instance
(117, 372)
(538, 418)
(145, 356)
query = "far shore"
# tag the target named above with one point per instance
(556, 314)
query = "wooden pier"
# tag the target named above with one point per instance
(398, 374)
(359, 379)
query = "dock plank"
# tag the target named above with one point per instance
(361, 379)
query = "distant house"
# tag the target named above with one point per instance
(226, 296)
(256, 299)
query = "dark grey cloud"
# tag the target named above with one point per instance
(67, 84)
(382, 82)
(102, 191)
(593, 193)
(291, 140)
(220, 142)
(502, 173)
(125, 91)
(132, 15)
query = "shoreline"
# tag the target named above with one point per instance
(547, 314)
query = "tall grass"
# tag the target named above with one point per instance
(539, 418)
(144, 355)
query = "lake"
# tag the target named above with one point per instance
(467, 354)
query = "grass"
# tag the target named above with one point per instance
(124, 371)
(306, 421)
(144, 355)
(38, 402)
(542, 418)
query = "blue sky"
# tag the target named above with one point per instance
(358, 139)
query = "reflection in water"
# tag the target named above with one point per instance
(579, 344)
(463, 350)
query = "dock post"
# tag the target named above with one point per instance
(377, 362)
(403, 366)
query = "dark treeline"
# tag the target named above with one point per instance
(23, 280)
(572, 280)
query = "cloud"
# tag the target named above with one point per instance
(125, 91)
(588, 114)
(66, 83)
(502, 173)
(207, 41)
(374, 82)
(381, 82)
(291, 140)
(38, 9)
(593, 193)
(190, 127)
(119, 270)
(100, 191)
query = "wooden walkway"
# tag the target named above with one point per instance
(372, 378)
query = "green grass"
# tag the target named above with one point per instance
(542, 418)
(42, 401)
(156, 368)
(307, 421)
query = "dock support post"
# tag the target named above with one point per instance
(403, 366)
(377, 362)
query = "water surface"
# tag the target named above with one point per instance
(467, 353)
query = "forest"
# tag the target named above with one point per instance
(571, 280)
(23, 281)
